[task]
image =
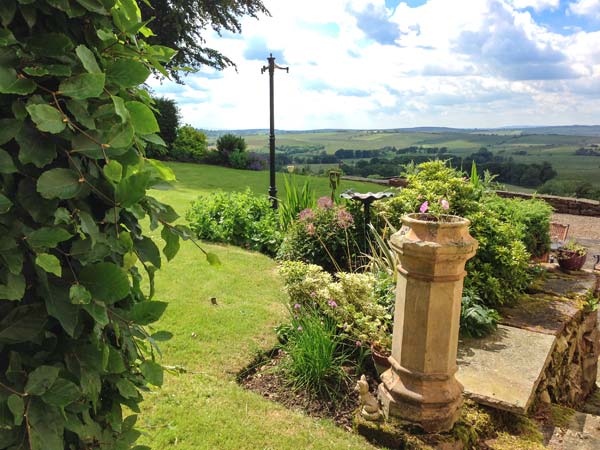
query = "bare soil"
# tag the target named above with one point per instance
(267, 380)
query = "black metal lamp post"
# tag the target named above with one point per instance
(271, 68)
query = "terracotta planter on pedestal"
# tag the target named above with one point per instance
(420, 387)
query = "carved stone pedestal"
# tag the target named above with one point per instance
(420, 387)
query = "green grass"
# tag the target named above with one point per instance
(204, 407)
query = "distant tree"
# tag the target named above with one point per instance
(180, 25)
(190, 145)
(168, 119)
(228, 144)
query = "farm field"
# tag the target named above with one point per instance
(558, 150)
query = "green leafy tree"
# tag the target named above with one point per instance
(74, 347)
(227, 144)
(179, 24)
(168, 119)
(190, 145)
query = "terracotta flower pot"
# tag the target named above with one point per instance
(571, 260)
(380, 358)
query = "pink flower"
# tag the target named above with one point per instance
(331, 302)
(424, 207)
(299, 327)
(358, 344)
(325, 203)
(445, 204)
(306, 214)
(297, 306)
(313, 294)
(310, 229)
(344, 218)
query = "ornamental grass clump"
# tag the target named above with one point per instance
(315, 354)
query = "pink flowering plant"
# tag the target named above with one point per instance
(325, 235)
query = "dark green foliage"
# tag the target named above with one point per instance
(325, 236)
(238, 218)
(74, 353)
(499, 272)
(570, 188)
(168, 119)
(229, 143)
(239, 159)
(315, 354)
(179, 24)
(476, 319)
(190, 145)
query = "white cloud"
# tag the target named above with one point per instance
(463, 63)
(585, 8)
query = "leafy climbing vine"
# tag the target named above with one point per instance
(76, 342)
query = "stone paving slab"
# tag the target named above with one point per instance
(570, 284)
(582, 433)
(503, 370)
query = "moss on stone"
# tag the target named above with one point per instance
(561, 415)
(507, 441)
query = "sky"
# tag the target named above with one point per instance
(376, 64)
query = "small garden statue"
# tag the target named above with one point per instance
(369, 406)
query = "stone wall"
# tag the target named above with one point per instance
(563, 205)
(570, 377)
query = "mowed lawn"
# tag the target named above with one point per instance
(203, 407)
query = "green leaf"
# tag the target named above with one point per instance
(147, 251)
(59, 183)
(113, 171)
(79, 295)
(7, 11)
(94, 6)
(41, 379)
(115, 362)
(48, 237)
(89, 226)
(5, 204)
(29, 13)
(213, 259)
(59, 306)
(23, 324)
(58, 70)
(46, 426)
(63, 5)
(9, 128)
(49, 263)
(142, 118)
(162, 336)
(162, 53)
(147, 312)
(98, 312)
(120, 138)
(47, 118)
(106, 282)
(62, 393)
(50, 44)
(171, 239)
(14, 289)
(78, 109)
(132, 189)
(17, 407)
(6, 37)
(120, 108)
(10, 84)
(34, 148)
(87, 59)
(85, 85)
(127, 389)
(153, 372)
(7, 165)
(165, 173)
(127, 73)
(154, 139)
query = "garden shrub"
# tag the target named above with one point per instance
(533, 216)
(499, 271)
(239, 159)
(476, 319)
(351, 301)
(325, 236)
(75, 353)
(237, 218)
(189, 146)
